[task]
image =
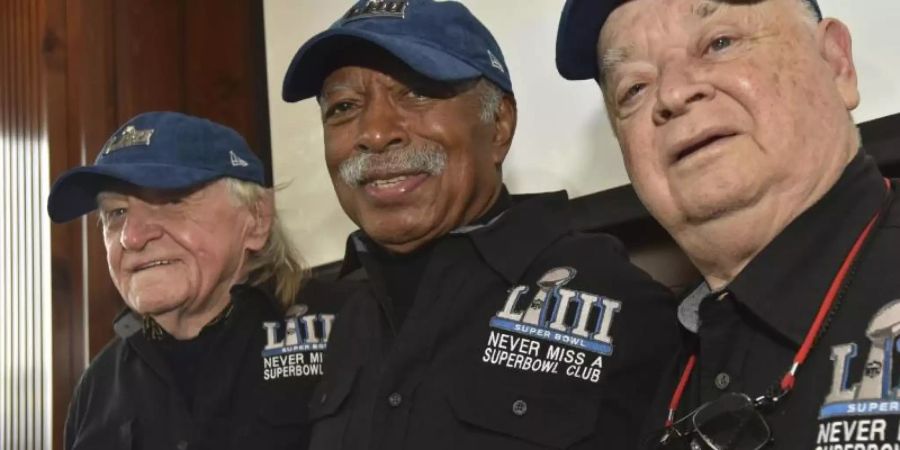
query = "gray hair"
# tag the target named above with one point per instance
(279, 260)
(491, 98)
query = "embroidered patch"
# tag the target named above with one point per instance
(557, 330)
(129, 137)
(865, 414)
(298, 350)
(376, 8)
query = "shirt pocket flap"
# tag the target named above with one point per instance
(552, 421)
(331, 393)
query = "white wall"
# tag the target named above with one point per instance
(563, 140)
(876, 48)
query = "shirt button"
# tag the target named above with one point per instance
(519, 407)
(182, 445)
(722, 381)
(395, 399)
(323, 398)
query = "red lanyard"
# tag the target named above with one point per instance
(787, 382)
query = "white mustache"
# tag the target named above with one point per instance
(361, 168)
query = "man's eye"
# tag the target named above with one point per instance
(112, 215)
(416, 96)
(720, 43)
(632, 91)
(338, 108)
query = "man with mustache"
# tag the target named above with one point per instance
(205, 356)
(734, 122)
(483, 320)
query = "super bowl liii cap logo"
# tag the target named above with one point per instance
(128, 137)
(297, 350)
(376, 8)
(865, 414)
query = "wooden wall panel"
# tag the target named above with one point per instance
(67, 268)
(227, 86)
(149, 43)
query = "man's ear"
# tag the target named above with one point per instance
(260, 224)
(835, 46)
(504, 128)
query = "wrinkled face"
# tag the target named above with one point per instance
(175, 251)
(720, 107)
(410, 160)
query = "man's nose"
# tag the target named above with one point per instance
(381, 126)
(140, 227)
(680, 88)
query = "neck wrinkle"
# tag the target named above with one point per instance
(722, 248)
(186, 323)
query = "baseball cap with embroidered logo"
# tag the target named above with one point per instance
(157, 150)
(440, 40)
(579, 30)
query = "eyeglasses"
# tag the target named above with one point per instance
(730, 422)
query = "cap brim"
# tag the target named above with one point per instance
(312, 63)
(75, 192)
(576, 38)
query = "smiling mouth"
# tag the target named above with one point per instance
(699, 145)
(388, 189)
(387, 183)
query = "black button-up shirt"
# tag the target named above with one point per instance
(846, 394)
(523, 334)
(250, 388)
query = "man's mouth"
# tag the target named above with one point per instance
(700, 142)
(386, 183)
(393, 187)
(152, 264)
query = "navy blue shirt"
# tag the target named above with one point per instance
(247, 386)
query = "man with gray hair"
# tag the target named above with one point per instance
(483, 320)
(734, 123)
(205, 355)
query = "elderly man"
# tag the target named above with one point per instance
(205, 357)
(734, 123)
(484, 320)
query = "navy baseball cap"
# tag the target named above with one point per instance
(440, 40)
(157, 150)
(579, 29)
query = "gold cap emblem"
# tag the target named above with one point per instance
(377, 8)
(130, 136)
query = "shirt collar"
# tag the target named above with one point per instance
(689, 308)
(785, 283)
(508, 240)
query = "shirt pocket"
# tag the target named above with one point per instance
(329, 410)
(546, 421)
